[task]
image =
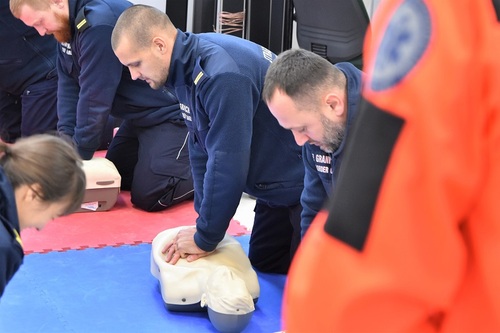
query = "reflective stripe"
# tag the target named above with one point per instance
(18, 237)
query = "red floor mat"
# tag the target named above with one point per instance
(123, 224)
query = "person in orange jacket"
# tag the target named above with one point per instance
(410, 240)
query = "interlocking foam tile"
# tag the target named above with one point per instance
(111, 290)
(123, 224)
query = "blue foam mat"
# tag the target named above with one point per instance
(110, 290)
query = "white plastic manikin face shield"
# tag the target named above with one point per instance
(227, 293)
(230, 305)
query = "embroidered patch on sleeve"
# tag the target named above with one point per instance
(404, 42)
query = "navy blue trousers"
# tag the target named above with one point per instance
(275, 237)
(33, 112)
(153, 163)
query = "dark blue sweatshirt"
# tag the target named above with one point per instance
(25, 56)
(11, 250)
(322, 167)
(236, 144)
(93, 83)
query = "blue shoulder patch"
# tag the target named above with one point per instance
(403, 44)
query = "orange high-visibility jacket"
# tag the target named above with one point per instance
(411, 240)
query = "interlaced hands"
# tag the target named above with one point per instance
(183, 246)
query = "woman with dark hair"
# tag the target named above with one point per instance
(41, 178)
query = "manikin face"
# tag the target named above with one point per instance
(147, 64)
(321, 127)
(52, 21)
(32, 211)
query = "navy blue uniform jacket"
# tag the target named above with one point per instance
(322, 167)
(236, 144)
(11, 250)
(93, 83)
(25, 57)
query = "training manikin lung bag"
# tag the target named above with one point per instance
(224, 282)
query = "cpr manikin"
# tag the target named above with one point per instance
(224, 283)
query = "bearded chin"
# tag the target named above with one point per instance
(63, 36)
(333, 136)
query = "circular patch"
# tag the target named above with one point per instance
(403, 44)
